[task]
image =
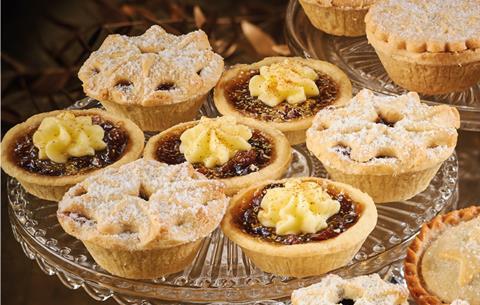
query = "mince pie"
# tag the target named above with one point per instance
(300, 226)
(338, 17)
(364, 290)
(236, 152)
(52, 151)
(157, 79)
(432, 47)
(144, 219)
(443, 262)
(283, 92)
(388, 146)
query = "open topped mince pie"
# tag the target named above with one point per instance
(283, 92)
(432, 47)
(443, 262)
(388, 146)
(52, 151)
(144, 219)
(237, 152)
(300, 226)
(157, 79)
(364, 290)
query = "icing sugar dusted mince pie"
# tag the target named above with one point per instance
(443, 262)
(299, 226)
(52, 151)
(365, 290)
(338, 17)
(156, 79)
(432, 47)
(388, 146)
(282, 92)
(145, 219)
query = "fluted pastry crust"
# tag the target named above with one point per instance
(415, 253)
(432, 47)
(426, 26)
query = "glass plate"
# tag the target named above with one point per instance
(220, 272)
(360, 62)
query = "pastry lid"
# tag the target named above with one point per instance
(434, 26)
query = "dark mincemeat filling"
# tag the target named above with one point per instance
(239, 95)
(26, 154)
(242, 163)
(347, 216)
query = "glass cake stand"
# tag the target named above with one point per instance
(221, 272)
(360, 62)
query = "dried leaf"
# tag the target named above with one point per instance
(51, 80)
(260, 41)
(199, 17)
(224, 48)
(148, 15)
(229, 52)
(128, 10)
(176, 11)
(281, 49)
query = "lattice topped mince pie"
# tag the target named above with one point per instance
(144, 219)
(156, 79)
(389, 147)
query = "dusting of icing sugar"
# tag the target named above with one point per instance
(365, 290)
(434, 20)
(389, 130)
(134, 70)
(145, 202)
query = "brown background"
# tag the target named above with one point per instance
(45, 42)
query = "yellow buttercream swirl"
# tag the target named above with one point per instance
(66, 135)
(297, 207)
(285, 81)
(214, 141)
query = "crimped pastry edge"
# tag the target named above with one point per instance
(424, 47)
(428, 233)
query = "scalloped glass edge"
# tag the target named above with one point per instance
(103, 285)
(391, 273)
